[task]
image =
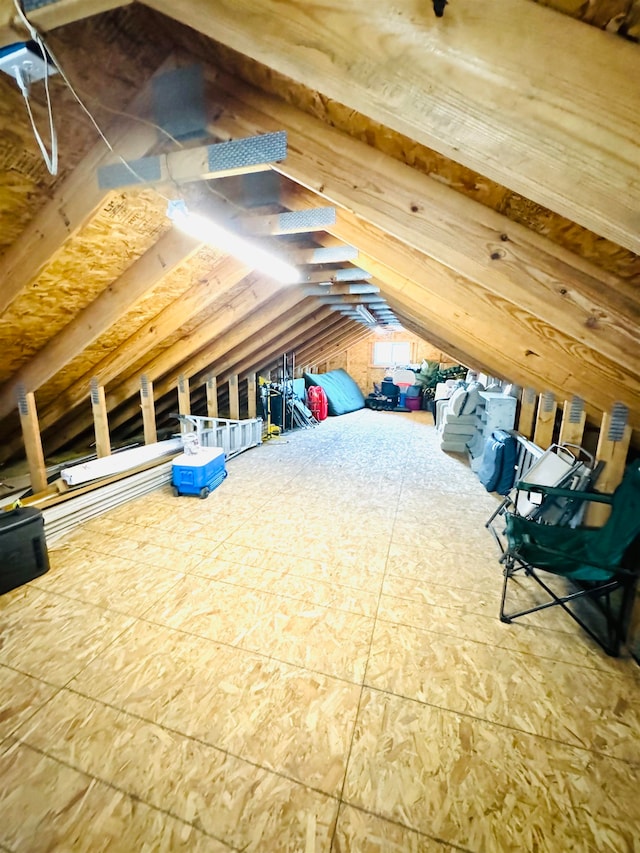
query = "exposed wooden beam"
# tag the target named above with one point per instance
(147, 404)
(73, 203)
(291, 222)
(529, 350)
(352, 299)
(545, 420)
(323, 255)
(335, 276)
(334, 338)
(45, 18)
(252, 390)
(171, 249)
(220, 160)
(176, 358)
(236, 351)
(100, 420)
(346, 335)
(32, 441)
(234, 397)
(226, 273)
(281, 337)
(167, 322)
(508, 260)
(573, 422)
(546, 109)
(212, 396)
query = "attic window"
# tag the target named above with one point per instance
(388, 353)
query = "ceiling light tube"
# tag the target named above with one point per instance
(367, 316)
(221, 238)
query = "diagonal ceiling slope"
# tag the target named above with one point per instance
(538, 114)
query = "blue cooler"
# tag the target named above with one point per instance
(198, 473)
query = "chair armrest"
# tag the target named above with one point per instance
(573, 494)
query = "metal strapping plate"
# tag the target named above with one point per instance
(618, 422)
(21, 392)
(144, 385)
(239, 153)
(576, 409)
(334, 254)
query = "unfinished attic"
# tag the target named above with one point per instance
(228, 622)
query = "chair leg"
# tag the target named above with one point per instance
(615, 628)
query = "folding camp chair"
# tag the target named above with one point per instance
(593, 561)
(565, 466)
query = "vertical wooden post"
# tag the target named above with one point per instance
(234, 398)
(100, 420)
(184, 402)
(32, 439)
(212, 397)
(527, 412)
(545, 420)
(252, 391)
(148, 410)
(573, 421)
(612, 449)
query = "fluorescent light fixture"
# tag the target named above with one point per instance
(221, 238)
(367, 316)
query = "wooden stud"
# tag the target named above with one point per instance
(573, 421)
(184, 402)
(612, 449)
(225, 275)
(527, 412)
(32, 440)
(545, 420)
(212, 396)
(148, 410)
(100, 419)
(252, 400)
(234, 397)
(171, 249)
(192, 353)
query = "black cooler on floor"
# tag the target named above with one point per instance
(23, 548)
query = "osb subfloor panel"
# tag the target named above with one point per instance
(309, 660)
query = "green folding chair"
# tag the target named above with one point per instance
(594, 561)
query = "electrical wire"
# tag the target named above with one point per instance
(50, 159)
(131, 116)
(35, 35)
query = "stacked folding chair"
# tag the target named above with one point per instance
(540, 531)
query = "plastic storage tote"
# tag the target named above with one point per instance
(23, 548)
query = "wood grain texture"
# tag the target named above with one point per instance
(533, 100)
(491, 251)
(170, 250)
(526, 349)
(535, 217)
